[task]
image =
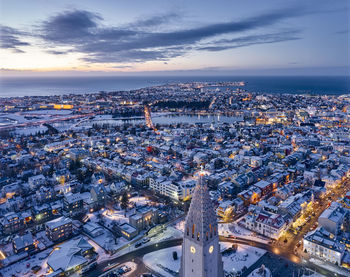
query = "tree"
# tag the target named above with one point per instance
(125, 201)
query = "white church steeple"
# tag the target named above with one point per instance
(201, 255)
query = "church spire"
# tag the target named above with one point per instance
(200, 250)
(201, 223)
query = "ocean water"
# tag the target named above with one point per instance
(38, 86)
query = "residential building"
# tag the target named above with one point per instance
(70, 256)
(322, 244)
(23, 243)
(59, 229)
(12, 222)
(265, 223)
(73, 204)
(332, 218)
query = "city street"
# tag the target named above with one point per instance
(135, 256)
(317, 209)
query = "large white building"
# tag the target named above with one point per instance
(176, 191)
(322, 244)
(201, 255)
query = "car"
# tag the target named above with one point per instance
(145, 239)
(138, 244)
(36, 268)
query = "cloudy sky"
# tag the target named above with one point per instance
(179, 37)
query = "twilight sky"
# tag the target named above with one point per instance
(246, 37)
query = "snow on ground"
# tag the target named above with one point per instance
(48, 112)
(102, 254)
(244, 256)
(261, 272)
(139, 200)
(180, 225)
(108, 241)
(23, 268)
(162, 261)
(166, 234)
(234, 229)
(117, 216)
(32, 130)
(133, 267)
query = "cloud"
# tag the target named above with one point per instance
(154, 21)
(343, 32)
(142, 40)
(122, 66)
(69, 27)
(9, 39)
(225, 44)
(147, 39)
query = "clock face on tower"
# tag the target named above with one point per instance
(211, 248)
(193, 250)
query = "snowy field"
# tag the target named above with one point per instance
(241, 232)
(167, 234)
(108, 241)
(48, 112)
(119, 217)
(139, 201)
(162, 261)
(32, 130)
(245, 256)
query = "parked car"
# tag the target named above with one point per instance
(138, 244)
(36, 268)
(145, 239)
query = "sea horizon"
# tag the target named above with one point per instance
(12, 86)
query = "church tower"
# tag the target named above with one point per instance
(201, 255)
